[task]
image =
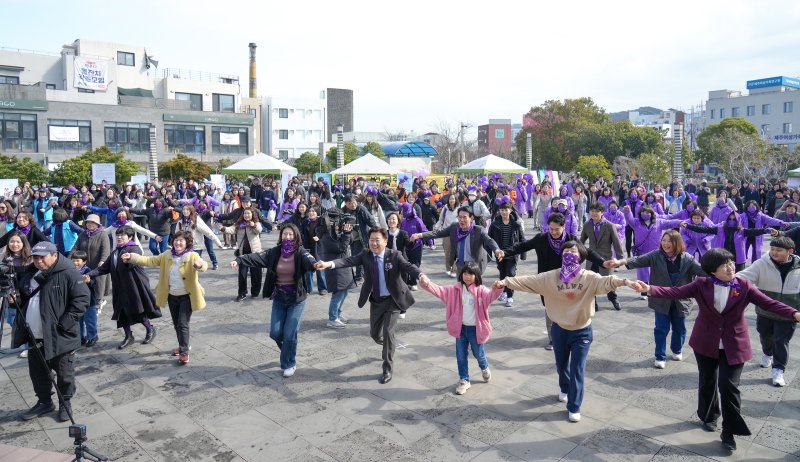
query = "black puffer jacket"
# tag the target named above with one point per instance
(63, 298)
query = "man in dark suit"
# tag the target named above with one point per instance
(469, 240)
(385, 271)
(603, 238)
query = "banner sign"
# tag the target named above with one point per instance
(139, 179)
(104, 172)
(91, 74)
(64, 133)
(229, 139)
(218, 181)
(7, 186)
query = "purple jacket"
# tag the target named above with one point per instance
(739, 238)
(412, 224)
(521, 201)
(287, 209)
(635, 207)
(648, 238)
(656, 207)
(730, 326)
(697, 242)
(720, 214)
(606, 200)
(618, 219)
(570, 222)
(762, 220)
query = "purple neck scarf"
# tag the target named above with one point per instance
(555, 244)
(570, 267)
(96, 230)
(185, 251)
(287, 248)
(4, 217)
(461, 234)
(733, 283)
(130, 243)
(118, 223)
(24, 230)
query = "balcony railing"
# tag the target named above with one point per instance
(35, 92)
(188, 74)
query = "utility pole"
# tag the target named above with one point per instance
(529, 151)
(463, 145)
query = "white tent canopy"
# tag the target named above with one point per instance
(368, 164)
(491, 164)
(260, 164)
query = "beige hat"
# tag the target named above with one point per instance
(94, 219)
(561, 202)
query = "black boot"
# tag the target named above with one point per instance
(151, 334)
(615, 303)
(126, 342)
(728, 442)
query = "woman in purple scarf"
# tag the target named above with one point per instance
(412, 224)
(25, 224)
(647, 230)
(521, 201)
(697, 244)
(288, 206)
(719, 213)
(731, 236)
(753, 217)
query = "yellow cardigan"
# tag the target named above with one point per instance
(187, 270)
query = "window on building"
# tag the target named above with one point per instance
(734, 112)
(69, 135)
(18, 132)
(499, 133)
(223, 103)
(751, 110)
(766, 109)
(787, 127)
(126, 59)
(283, 113)
(50, 86)
(185, 139)
(85, 90)
(283, 134)
(722, 113)
(283, 154)
(765, 129)
(127, 137)
(10, 79)
(713, 111)
(788, 107)
(229, 140)
(195, 99)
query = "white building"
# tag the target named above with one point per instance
(292, 126)
(769, 105)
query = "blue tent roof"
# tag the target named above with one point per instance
(406, 149)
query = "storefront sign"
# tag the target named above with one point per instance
(23, 105)
(64, 133)
(211, 119)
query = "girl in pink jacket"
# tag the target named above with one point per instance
(467, 318)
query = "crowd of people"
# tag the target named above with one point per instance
(374, 233)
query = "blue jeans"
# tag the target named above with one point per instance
(88, 323)
(663, 324)
(571, 347)
(44, 225)
(468, 339)
(322, 282)
(287, 314)
(335, 307)
(158, 249)
(210, 247)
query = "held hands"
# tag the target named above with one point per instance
(498, 284)
(347, 227)
(774, 232)
(321, 265)
(627, 208)
(644, 288)
(499, 255)
(684, 224)
(424, 281)
(636, 286)
(126, 257)
(415, 236)
(159, 239)
(86, 278)
(233, 264)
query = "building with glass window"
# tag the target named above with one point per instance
(769, 104)
(497, 137)
(292, 126)
(57, 105)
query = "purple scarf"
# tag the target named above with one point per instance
(733, 283)
(555, 244)
(130, 243)
(243, 225)
(25, 230)
(287, 248)
(570, 267)
(4, 217)
(185, 251)
(461, 234)
(96, 230)
(118, 223)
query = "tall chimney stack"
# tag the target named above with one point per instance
(253, 89)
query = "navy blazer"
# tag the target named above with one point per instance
(395, 269)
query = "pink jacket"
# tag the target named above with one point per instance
(451, 296)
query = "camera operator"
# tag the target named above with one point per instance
(364, 221)
(52, 297)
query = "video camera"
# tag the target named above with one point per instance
(8, 277)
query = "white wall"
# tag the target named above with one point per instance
(38, 67)
(305, 124)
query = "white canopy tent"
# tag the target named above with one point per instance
(367, 164)
(491, 164)
(260, 164)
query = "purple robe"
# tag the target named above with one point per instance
(697, 244)
(762, 220)
(287, 209)
(521, 201)
(720, 214)
(647, 238)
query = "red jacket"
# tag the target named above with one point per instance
(730, 325)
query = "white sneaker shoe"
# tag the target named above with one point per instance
(23, 354)
(766, 361)
(574, 416)
(677, 357)
(503, 297)
(337, 324)
(402, 316)
(562, 397)
(642, 297)
(463, 386)
(289, 372)
(777, 378)
(414, 288)
(510, 302)
(659, 364)
(453, 274)
(100, 306)
(449, 273)
(486, 374)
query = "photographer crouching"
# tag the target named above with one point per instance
(52, 296)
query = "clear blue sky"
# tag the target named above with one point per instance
(413, 64)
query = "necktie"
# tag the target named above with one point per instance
(461, 249)
(376, 282)
(597, 230)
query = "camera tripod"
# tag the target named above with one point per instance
(76, 431)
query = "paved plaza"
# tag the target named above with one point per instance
(230, 403)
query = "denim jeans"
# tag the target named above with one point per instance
(468, 339)
(663, 324)
(571, 347)
(210, 247)
(88, 323)
(287, 314)
(157, 248)
(335, 307)
(322, 282)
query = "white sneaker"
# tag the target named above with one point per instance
(510, 302)
(574, 416)
(414, 287)
(463, 386)
(402, 316)
(562, 397)
(289, 372)
(659, 364)
(677, 357)
(766, 361)
(453, 274)
(777, 378)
(100, 306)
(486, 374)
(642, 297)
(503, 297)
(23, 354)
(449, 273)
(337, 324)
